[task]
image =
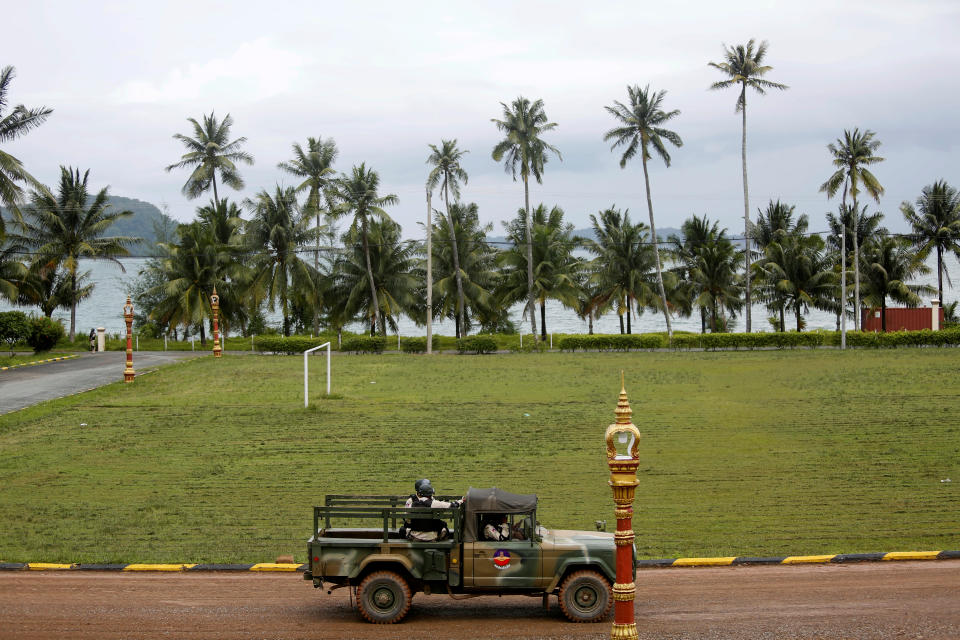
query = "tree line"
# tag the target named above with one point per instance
(290, 255)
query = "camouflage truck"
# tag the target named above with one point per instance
(385, 569)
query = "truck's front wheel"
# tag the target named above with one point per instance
(383, 597)
(585, 596)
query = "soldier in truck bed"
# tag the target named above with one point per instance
(426, 529)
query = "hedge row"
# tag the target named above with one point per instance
(710, 341)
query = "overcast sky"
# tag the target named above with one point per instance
(384, 79)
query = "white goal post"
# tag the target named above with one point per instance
(306, 353)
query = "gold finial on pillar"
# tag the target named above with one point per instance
(623, 458)
(128, 372)
(215, 305)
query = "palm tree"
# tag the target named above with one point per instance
(851, 155)
(556, 270)
(799, 273)
(66, 227)
(277, 231)
(842, 232)
(888, 266)
(448, 173)
(705, 261)
(744, 66)
(315, 166)
(641, 129)
(12, 126)
(357, 194)
(624, 263)
(12, 271)
(393, 265)
(476, 265)
(210, 151)
(772, 225)
(523, 124)
(936, 225)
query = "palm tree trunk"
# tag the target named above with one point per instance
(843, 272)
(316, 270)
(883, 314)
(590, 323)
(940, 274)
(203, 334)
(456, 326)
(656, 247)
(456, 259)
(620, 315)
(373, 286)
(783, 326)
(798, 317)
(703, 320)
(856, 266)
(429, 273)
(216, 199)
(629, 313)
(73, 302)
(746, 200)
(531, 304)
(543, 319)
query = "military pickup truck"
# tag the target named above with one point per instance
(357, 543)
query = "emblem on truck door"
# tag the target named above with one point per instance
(501, 559)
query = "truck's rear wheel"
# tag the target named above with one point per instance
(383, 597)
(585, 596)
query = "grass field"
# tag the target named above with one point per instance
(745, 453)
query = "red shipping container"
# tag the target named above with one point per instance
(901, 319)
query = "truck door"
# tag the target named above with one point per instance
(506, 563)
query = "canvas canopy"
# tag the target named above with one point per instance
(493, 501)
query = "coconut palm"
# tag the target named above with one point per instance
(851, 155)
(743, 66)
(392, 263)
(62, 229)
(315, 166)
(840, 241)
(522, 148)
(936, 225)
(357, 194)
(208, 152)
(476, 265)
(277, 231)
(13, 125)
(772, 225)
(707, 263)
(448, 173)
(799, 272)
(556, 270)
(624, 264)
(641, 128)
(13, 273)
(888, 266)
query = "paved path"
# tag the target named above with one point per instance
(865, 601)
(26, 386)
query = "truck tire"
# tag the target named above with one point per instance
(383, 597)
(585, 596)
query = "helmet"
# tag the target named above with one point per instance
(419, 483)
(426, 489)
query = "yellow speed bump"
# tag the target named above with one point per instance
(157, 567)
(911, 555)
(703, 562)
(275, 566)
(808, 559)
(48, 566)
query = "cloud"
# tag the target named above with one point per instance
(256, 70)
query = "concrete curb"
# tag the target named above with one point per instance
(30, 364)
(727, 561)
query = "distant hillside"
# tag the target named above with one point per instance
(664, 233)
(145, 222)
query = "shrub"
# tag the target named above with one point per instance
(477, 344)
(288, 345)
(14, 327)
(364, 344)
(44, 333)
(414, 345)
(623, 342)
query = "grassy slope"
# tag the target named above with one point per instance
(754, 453)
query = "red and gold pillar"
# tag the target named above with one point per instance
(128, 372)
(623, 458)
(215, 305)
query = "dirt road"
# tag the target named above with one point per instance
(876, 600)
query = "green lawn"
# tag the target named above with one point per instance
(743, 453)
